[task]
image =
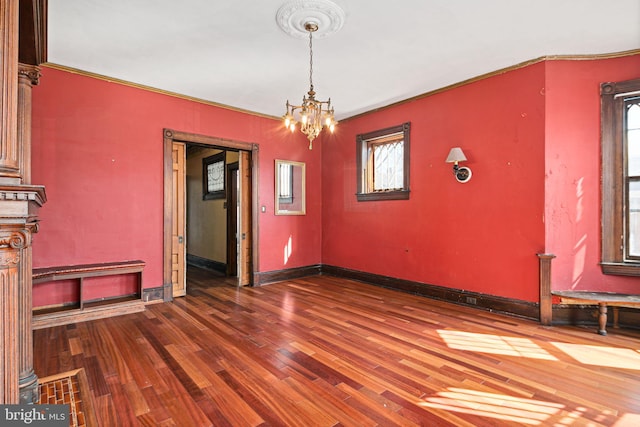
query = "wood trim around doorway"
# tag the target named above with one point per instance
(170, 136)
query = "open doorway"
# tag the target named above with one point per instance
(203, 177)
(212, 210)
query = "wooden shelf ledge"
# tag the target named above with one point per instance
(66, 317)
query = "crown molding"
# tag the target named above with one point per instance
(154, 90)
(587, 57)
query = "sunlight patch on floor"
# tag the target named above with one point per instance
(495, 344)
(498, 406)
(628, 420)
(612, 357)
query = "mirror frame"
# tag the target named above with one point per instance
(279, 209)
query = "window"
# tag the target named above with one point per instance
(383, 164)
(621, 177)
(285, 182)
(213, 172)
(632, 109)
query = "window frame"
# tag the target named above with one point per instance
(363, 142)
(614, 229)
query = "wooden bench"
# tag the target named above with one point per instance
(119, 305)
(603, 300)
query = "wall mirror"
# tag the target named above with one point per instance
(290, 188)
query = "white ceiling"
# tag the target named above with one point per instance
(232, 51)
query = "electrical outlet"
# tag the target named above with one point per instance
(471, 300)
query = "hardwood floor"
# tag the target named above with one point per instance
(322, 351)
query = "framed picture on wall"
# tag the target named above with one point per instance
(213, 176)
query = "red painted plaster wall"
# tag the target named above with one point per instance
(573, 171)
(531, 136)
(480, 236)
(98, 149)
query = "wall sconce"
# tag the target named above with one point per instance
(462, 174)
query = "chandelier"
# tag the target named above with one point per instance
(312, 114)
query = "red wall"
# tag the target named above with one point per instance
(573, 171)
(480, 236)
(98, 149)
(531, 136)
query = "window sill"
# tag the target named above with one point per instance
(383, 195)
(620, 268)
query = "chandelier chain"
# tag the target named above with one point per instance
(311, 60)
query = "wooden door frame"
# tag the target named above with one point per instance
(171, 136)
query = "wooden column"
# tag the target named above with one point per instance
(9, 295)
(27, 378)
(28, 76)
(12, 241)
(28, 381)
(18, 204)
(8, 139)
(546, 304)
(19, 201)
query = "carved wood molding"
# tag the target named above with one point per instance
(14, 239)
(29, 73)
(31, 193)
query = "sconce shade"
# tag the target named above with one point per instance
(455, 155)
(462, 174)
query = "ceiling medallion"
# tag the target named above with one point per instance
(293, 17)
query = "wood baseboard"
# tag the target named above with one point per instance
(496, 304)
(205, 263)
(512, 307)
(288, 274)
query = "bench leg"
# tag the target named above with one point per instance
(602, 318)
(616, 317)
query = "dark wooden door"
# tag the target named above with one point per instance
(232, 219)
